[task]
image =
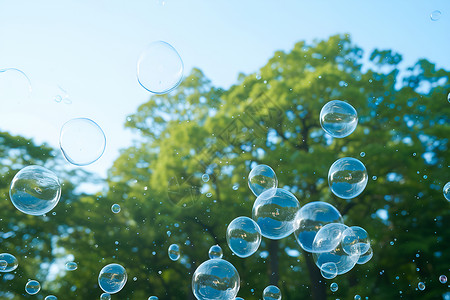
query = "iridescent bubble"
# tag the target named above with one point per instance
(3, 265)
(446, 191)
(334, 287)
(275, 214)
(215, 279)
(153, 298)
(174, 252)
(159, 68)
(82, 141)
(356, 239)
(363, 258)
(357, 297)
(51, 297)
(347, 177)
(105, 296)
(215, 252)
(344, 262)
(35, 190)
(329, 270)
(11, 262)
(338, 118)
(115, 208)
(205, 177)
(32, 287)
(311, 218)
(328, 237)
(421, 286)
(243, 236)
(435, 15)
(262, 178)
(112, 278)
(71, 266)
(272, 293)
(443, 279)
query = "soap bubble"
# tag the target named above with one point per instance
(262, 178)
(238, 298)
(215, 252)
(421, 286)
(15, 86)
(435, 15)
(357, 297)
(35, 190)
(275, 214)
(272, 293)
(205, 177)
(174, 252)
(51, 297)
(328, 237)
(443, 279)
(112, 278)
(11, 262)
(329, 270)
(32, 287)
(446, 191)
(159, 68)
(215, 279)
(344, 262)
(334, 287)
(82, 141)
(365, 257)
(105, 296)
(355, 239)
(243, 236)
(71, 266)
(362, 154)
(347, 177)
(153, 298)
(338, 118)
(310, 218)
(115, 208)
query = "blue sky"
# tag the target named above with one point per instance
(90, 49)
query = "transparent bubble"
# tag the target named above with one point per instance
(362, 154)
(443, 279)
(356, 239)
(71, 266)
(329, 270)
(272, 293)
(105, 296)
(215, 252)
(334, 287)
(435, 15)
(365, 257)
(238, 298)
(275, 214)
(357, 297)
(32, 287)
(338, 118)
(51, 297)
(82, 141)
(311, 218)
(448, 97)
(205, 177)
(243, 236)
(112, 278)
(262, 178)
(159, 68)
(153, 298)
(3, 265)
(35, 190)
(344, 262)
(446, 191)
(174, 252)
(115, 208)
(347, 177)
(421, 286)
(11, 262)
(215, 279)
(15, 86)
(328, 237)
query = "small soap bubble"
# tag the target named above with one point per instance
(215, 252)
(32, 287)
(446, 191)
(338, 118)
(115, 208)
(374, 177)
(112, 278)
(238, 298)
(8, 262)
(159, 68)
(261, 179)
(435, 15)
(329, 270)
(357, 297)
(272, 292)
(51, 297)
(174, 252)
(205, 177)
(35, 190)
(235, 187)
(243, 236)
(105, 296)
(153, 298)
(58, 99)
(443, 279)
(347, 177)
(82, 141)
(215, 279)
(71, 266)
(209, 195)
(421, 286)
(362, 154)
(334, 287)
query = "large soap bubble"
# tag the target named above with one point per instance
(446, 191)
(347, 177)
(9, 262)
(261, 179)
(328, 237)
(356, 239)
(275, 214)
(112, 278)
(82, 141)
(243, 236)
(35, 190)
(338, 118)
(272, 292)
(215, 279)
(310, 218)
(159, 68)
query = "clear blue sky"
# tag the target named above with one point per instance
(90, 48)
